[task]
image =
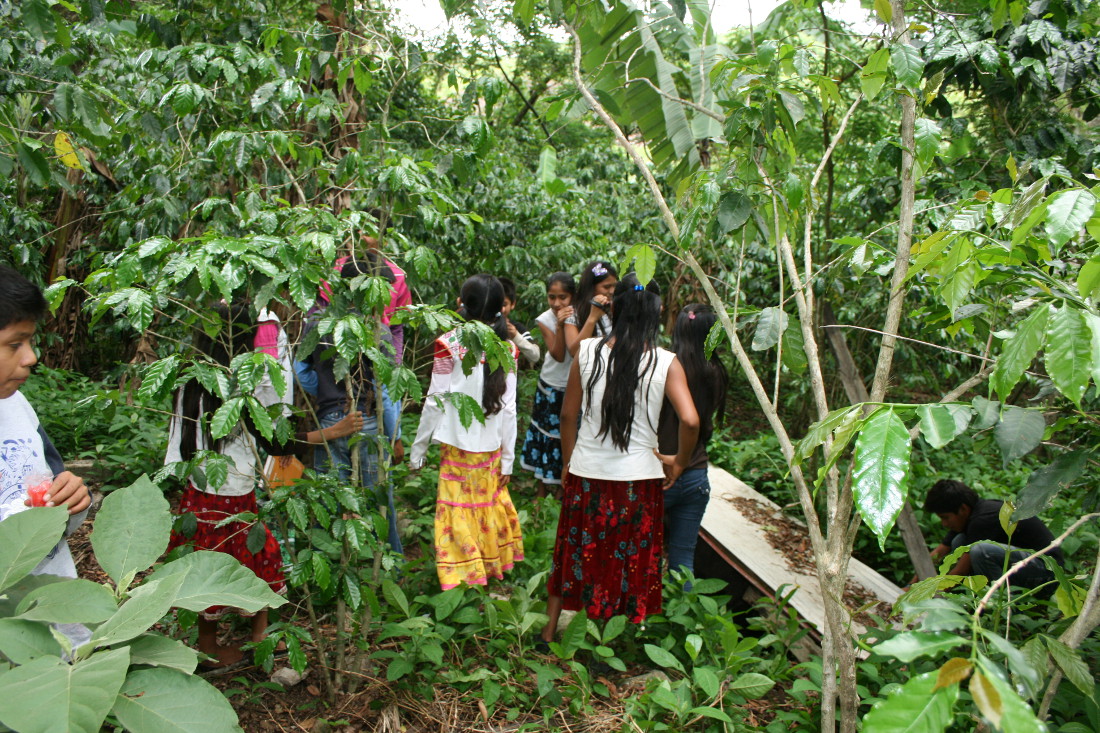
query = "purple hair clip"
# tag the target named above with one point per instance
(599, 270)
(691, 315)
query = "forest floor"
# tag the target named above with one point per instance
(387, 707)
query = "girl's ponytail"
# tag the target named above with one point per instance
(482, 298)
(636, 317)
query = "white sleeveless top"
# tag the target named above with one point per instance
(597, 457)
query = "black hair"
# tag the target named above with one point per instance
(235, 336)
(509, 288)
(947, 496)
(587, 287)
(20, 299)
(635, 318)
(568, 284)
(707, 379)
(482, 298)
(371, 263)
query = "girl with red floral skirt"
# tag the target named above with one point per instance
(607, 556)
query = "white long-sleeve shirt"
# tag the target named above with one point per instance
(440, 421)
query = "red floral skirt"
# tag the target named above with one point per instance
(232, 539)
(607, 557)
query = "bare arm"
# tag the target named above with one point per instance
(570, 411)
(677, 392)
(555, 340)
(574, 336)
(962, 567)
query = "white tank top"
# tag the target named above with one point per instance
(597, 457)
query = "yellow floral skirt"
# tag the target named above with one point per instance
(477, 533)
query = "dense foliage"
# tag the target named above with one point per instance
(157, 157)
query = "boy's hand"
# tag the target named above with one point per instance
(69, 489)
(512, 332)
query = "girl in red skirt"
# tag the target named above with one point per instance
(607, 555)
(189, 433)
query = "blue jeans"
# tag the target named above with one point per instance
(988, 559)
(685, 502)
(368, 464)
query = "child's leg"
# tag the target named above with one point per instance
(553, 610)
(208, 644)
(259, 626)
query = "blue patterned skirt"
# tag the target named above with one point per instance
(542, 446)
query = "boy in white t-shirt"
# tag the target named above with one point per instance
(25, 449)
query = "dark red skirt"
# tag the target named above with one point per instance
(607, 557)
(232, 538)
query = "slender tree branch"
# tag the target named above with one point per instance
(1056, 542)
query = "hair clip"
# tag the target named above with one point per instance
(498, 315)
(639, 286)
(599, 270)
(691, 315)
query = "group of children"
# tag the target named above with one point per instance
(619, 428)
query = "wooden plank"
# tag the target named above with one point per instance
(742, 529)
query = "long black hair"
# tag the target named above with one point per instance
(235, 336)
(635, 318)
(707, 378)
(594, 274)
(568, 284)
(482, 297)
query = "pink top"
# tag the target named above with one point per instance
(399, 290)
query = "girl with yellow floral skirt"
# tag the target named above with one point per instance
(477, 534)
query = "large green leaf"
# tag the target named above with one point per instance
(734, 209)
(1088, 279)
(880, 479)
(132, 529)
(164, 700)
(146, 605)
(1018, 352)
(1069, 352)
(770, 326)
(1067, 212)
(913, 708)
(940, 424)
(48, 695)
(908, 64)
(1094, 325)
(1044, 483)
(910, 645)
(987, 413)
(751, 685)
(21, 641)
(1016, 715)
(217, 579)
(821, 430)
(1074, 667)
(1019, 432)
(926, 136)
(663, 658)
(156, 650)
(76, 601)
(25, 540)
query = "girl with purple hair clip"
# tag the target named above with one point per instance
(591, 305)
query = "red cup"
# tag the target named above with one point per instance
(37, 493)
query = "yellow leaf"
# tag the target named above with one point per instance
(986, 698)
(64, 149)
(953, 671)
